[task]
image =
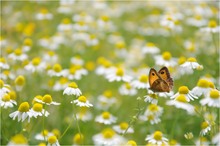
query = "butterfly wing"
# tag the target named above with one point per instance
(165, 75)
(153, 76)
(160, 85)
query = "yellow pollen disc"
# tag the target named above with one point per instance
(6, 98)
(73, 85)
(181, 98)
(105, 18)
(192, 59)
(128, 86)
(12, 95)
(66, 21)
(150, 117)
(42, 144)
(92, 36)
(214, 94)
(204, 125)
(108, 93)
(90, 66)
(28, 42)
(52, 139)
(18, 52)
(153, 107)
(131, 143)
(50, 53)
(120, 72)
(1, 83)
(47, 98)
(108, 133)
(81, 23)
(212, 24)
(154, 96)
(120, 45)
(82, 99)
(36, 61)
(63, 80)
(57, 68)
(2, 60)
(6, 72)
(183, 90)
(143, 78)
(56, 132)
(44, 132)
(24, 107)
(72, 70)
(172, 142)
(107, 64)
(166, 55)
(158, 135)
(20, 80)
(19, 139)
(203, 83)
(44, 11)
(198, 17)
(124, 125)
(211, 85)
(106, 115)
(37, 107)
(77, 139)
(203, 139)
(169, 18)
(150, 44)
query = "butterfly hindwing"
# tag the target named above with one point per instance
(160, 86)
(165, 75)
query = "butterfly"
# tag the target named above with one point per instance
(160, 81)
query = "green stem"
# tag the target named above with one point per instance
(215, 44)
(77, 124)
(44, 122)
(67, 128)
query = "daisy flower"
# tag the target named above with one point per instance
(202, 141)
(4, 88)
(43, 135)
(168, 21)
(141, 83)
(150, 48)
(154, 109)
(6, 101)
(106, 100)
(184, 91)
(165, 59)
(92, 40)
(84, 114)
(151, 98)
(18, 139)
(20, 82)
(65, 26)
(56, 71)
(191, 64)
(46, 99)
(216, 139)
(22, 113)
(83, 16)
(6, 74)
(50, 57)
(131, 143)
(165, 94)
(76, 72)
(82, 102)
(104, 66)
(3, 63)
(72, 89)
(108, 137)
(173, 142)
(118, 75)
(77, 60)
(212, 99)
(197, 21)
(106, 118)
(80, 26)
(122, 127)
(127, 89)
(202, 88)
(212, 27)
(181, 101)
(44, 15)
(120, 49)
(27, 44)
(78, 139)
(152, 118)
(205, 128)
(104, 23)
(157, 138)
(61, 84)
(36, 65)
(18, 55)
(53, 141)
(37, 110)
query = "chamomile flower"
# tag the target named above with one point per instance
(157, 138)
(22, 113)
(181, 101)
(83, 16)
(27, 44)
(205, 128)
(212, 99)
(76, 72)
(154, 109)
(197, 21)
(7, 74)
(43, 135)
(108, 137)
(44, 15)
(47, 99)
(173, 142)
(152, 118)
(122, 127)
(82, 102)
(191, 64)
(212, 27)
(80, 26)
(150, 48)
(78, 139)
(104, 23)
(118, 75)
(4, 88)
(53, 141)
(92, 40)
(210, 117)
(6, 101)
(104, 67)
(202, 141)
(37, 110)
(50, 57)
(65, 26)
(84, 114)
(18, 55)
(36, 65)
(184, 91)
(72, 89)
(141, 83)
(151, 98)
(131, 143)
(20, 82)
(61, 84)
(202, 88)
(3, 63)
(120, 49)
(106, 118)
(18, 139)
(165, 59)
(127, 89)
(57, 71)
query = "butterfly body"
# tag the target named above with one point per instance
(160, 81)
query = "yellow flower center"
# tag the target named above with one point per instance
(203, 83)
(19, 139)
(211, 85)
(44, 132)
(56, 132)
(66, 21)
(172, 142)
(42, 144)
(154, 96)
(20, 80)
(124, 125)
(47, 98)
(166, 55)
(153, 107)
(198, 17)
(108, 133)
(105, 18)
(1, 83)
(82, 99)
(131, 143)
(128, 86)
(77, 139)
(51, 53)
(18, 52)
(106, 64)
(106, 115)
(169, 17)
(24, 107)
(90, 65)
(6, 98)
(204, 125)
(2, 60)
(150, 44)
(57, 68)
(73, 85)
(6, 72)
(37, 107)
(120, 72)
(108, 93)
(81, 23)
(63, 80)
(192, 59)
(36, 61)
(181, 98)
(44, 11)
(212, 24)
(120, 45)
(12, 95)
(143, 78)
(183, 90)
(28, 42)
(158, 135)
(150, 117)
(214, 94)
(52, 139)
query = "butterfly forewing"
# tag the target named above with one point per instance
(153, 76)
(165, 75)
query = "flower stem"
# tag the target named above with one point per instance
(215, 44)
(67, 128)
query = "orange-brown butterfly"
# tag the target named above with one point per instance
(160, 81)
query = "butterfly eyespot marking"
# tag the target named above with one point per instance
(162, 72)
(153, 74)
